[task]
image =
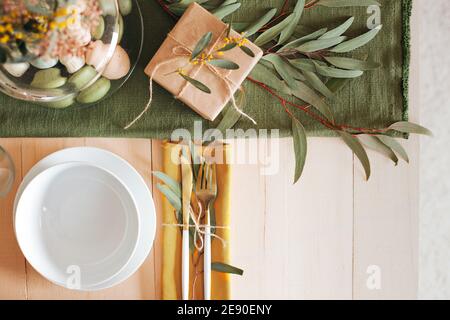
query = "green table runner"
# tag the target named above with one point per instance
(375, 100)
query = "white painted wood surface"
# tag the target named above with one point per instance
(309, 241)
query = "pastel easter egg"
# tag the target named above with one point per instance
(97, 33)
(125, 6)
(82, 77)
(96, 53)
(95, 92)
(48, 79)
(119, 65)
(17, 69)
(108, 7)
(60, 104)
(44, 62)
(72, 63)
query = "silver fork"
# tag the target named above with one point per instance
(206, 192)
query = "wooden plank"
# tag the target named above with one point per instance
(247, 225)
(157, 247)
(12, 262)
(386, 215)
(308, 226)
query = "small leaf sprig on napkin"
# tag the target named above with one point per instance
(310, 68)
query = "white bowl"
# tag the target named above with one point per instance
(77, 225)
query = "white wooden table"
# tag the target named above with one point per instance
(326, 237)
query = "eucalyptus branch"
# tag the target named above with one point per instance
(312, 69)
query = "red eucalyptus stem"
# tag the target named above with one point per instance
(166, 8)
(306, 109)
(311, 4)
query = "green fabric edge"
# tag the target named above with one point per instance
(407, 10)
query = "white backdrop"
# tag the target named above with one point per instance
(434, 267)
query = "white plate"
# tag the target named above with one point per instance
(77, 216)
(130, 177)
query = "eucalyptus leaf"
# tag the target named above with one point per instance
(225, 10)
(409, 127)
(273, 32)
(395, 146)
(336, 32)
(241, 26)
(268, 76)
(372, 142)
(201, 45)
(318, 84)
(173, 199)
(282, 67)
(347, 3)
(305, 93)
(180, 7)
(261, 22)
(355, 145)
(212, 218)
(357, 42)
(228, 47)
(305, 64)
(226, 268)
(299, 41)
(186, 3)
(230, 118)
(196, 83)
(224, 64)
(317, 45)
(196, 159)
(300, 147)
(169, 181)
(290, 28)
(352, 64)
(338, 73)
(247, 51)
(228, 2)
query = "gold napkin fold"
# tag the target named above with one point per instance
(171, 262)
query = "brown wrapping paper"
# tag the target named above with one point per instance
(196, 22)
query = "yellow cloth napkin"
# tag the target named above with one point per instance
(171, 262)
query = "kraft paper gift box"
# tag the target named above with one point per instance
(175, 52)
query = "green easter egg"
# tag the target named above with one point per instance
(48, 79)
(82, 77)
(125, 7)
(60, 104)
(108, 7)
(95, 92)
(99, 30)
(121, 27)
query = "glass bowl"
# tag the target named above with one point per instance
(109, 59)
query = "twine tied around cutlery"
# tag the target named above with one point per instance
(199, 229)
(182, 51)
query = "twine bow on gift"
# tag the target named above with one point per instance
(183, 51)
